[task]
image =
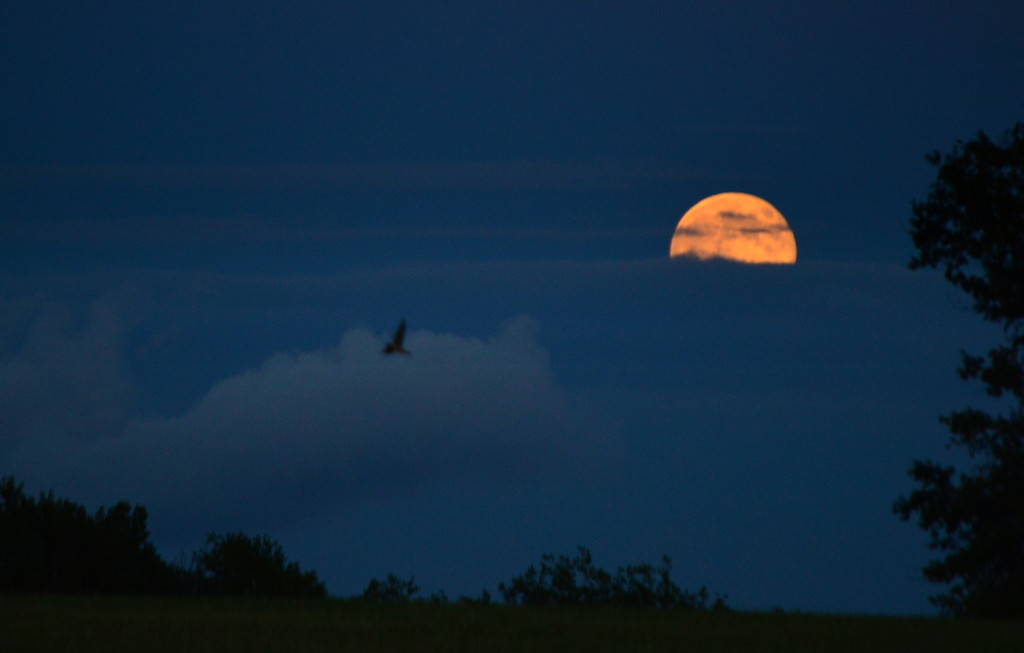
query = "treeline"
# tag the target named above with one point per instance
(53, 545)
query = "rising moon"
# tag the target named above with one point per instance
(737, 227)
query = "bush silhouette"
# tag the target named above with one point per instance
(238, 565)
(394, 590)
(575, 580)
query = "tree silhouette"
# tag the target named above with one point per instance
(53, 545)
(971, 227)
(239, 565)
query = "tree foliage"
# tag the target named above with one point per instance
(238, 565)
(53, 545)
(576, 580)
(971, 227)
(394, 590)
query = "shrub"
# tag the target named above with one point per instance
(238, 565)
(575, 580)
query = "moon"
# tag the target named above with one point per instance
(737, 227)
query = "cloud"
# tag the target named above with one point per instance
(735, 215)
(330, 427)
(692, 231)
(738, 408)
(68, 381)
(255, 229)
(767, 229)
(517, 174)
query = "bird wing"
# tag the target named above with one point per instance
(399, 334)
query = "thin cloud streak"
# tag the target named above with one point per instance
(570, 175)
(236, 229)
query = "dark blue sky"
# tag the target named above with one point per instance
(212, 216)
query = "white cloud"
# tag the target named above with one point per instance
(328, 427)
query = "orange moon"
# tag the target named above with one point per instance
(737, 227)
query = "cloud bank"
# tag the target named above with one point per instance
(307, 430)
(762, 416)
(66, 382)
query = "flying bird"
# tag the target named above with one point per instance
(395, 346)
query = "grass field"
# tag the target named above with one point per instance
(84, 624)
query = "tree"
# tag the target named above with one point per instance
(971, 227)
(124, 560)
(239, 565)
(53, 545)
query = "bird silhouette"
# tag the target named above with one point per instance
(395, 346)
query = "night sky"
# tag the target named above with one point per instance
(213, 216)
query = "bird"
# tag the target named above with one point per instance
(395, 346)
